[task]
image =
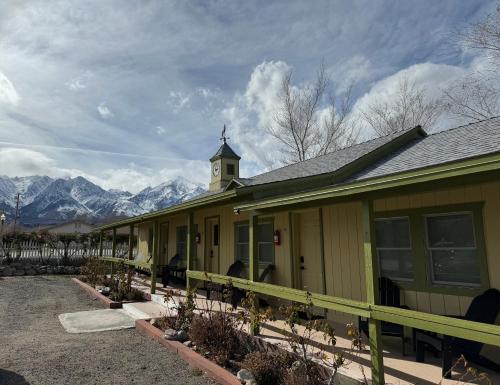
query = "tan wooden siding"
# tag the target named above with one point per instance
(142, 241)
(489, 193)
(343, 245)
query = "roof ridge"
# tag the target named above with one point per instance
(336, 151)
(463, 125)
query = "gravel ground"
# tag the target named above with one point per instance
(35, 349)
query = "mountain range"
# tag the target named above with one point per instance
(45, 200)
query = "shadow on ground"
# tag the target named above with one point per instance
(11, 378)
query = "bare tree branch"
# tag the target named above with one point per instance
(305, 127)
(477, 96)
(410, 108)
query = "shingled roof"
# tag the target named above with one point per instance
(468, 141)
(328, 163)
(225, 151)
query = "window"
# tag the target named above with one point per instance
(394, 248)
(452, 249)
(180, 241)
(241, 241)
(230, 169)
(216, 235)
(265, 244)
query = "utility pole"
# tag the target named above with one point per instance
(17, 212)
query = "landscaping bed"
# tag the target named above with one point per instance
(215, 339)
(111, 289)
(95, 294)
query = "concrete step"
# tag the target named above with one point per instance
(144, 310)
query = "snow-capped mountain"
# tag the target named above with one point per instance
(46, 200)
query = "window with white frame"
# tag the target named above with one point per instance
(452, 249)
(181, 241)
(265, 244)
(394, 251)
(241, 241)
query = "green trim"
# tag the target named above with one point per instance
(428, 174)
(253, 256)
(141, 264)
(372, 295)
(131, 242)
(322, 250)
(113, 244)
(190, 245)
(195, 203)
(421, 261)
(455, 327)
(301, 296)
(155, 255)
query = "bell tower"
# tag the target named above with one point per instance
(225, 165)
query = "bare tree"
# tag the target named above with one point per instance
(305, 127)
(477, 95)
(408, 109)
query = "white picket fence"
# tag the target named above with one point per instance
(31, 249)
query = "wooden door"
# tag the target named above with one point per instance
(212, 238)
(164, 257)
(309, 249)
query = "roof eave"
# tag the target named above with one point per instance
(464, 167)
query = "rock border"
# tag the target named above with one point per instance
(195, 360)
(96, 295)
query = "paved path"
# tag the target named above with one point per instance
(35, 349)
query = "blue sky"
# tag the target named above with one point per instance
(133, 93)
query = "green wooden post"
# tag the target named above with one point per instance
(253, 252)
(113, 247)
(371, 270)
(131, 242)
(155, 253)
(322, 254)
(253, 261)
(101, 241)
(190, 246)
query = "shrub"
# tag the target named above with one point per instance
(216, 335)
(268, 368)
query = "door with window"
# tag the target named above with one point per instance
(212, 234)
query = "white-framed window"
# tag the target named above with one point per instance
(181, 241)
(265, 242)
(452, 249)
(241, 241)
(394, 249)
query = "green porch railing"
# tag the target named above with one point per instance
(476, 331)
(130, 262)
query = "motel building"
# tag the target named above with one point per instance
(399, 234)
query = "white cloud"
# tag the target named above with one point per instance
(104, 111)
(80, 82)
(160, 130)
(250, 114)
(8, 93)
(434, 78)
(178, 100)
(352, 71)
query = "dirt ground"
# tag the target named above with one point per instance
(35, 349)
